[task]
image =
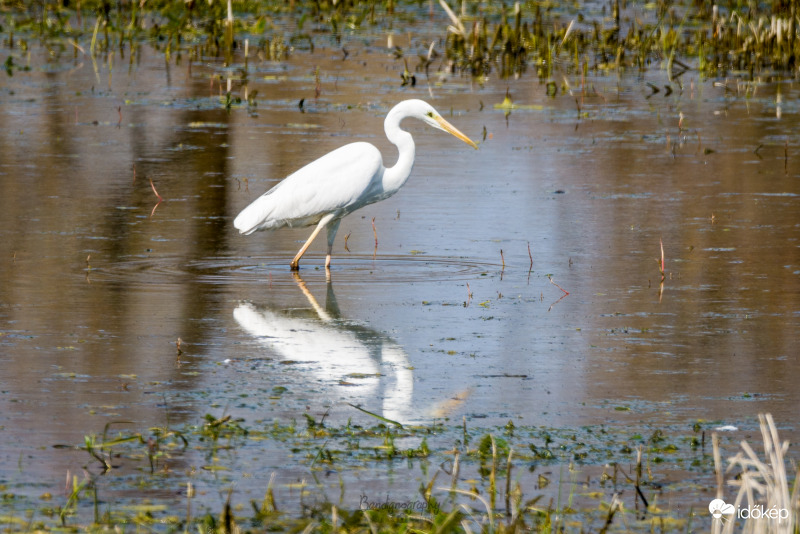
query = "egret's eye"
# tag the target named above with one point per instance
(430, 114)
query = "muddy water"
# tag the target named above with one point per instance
(446, 317)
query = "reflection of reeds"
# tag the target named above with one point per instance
(763, 485)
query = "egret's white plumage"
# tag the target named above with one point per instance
(333, 350)
(342, 181)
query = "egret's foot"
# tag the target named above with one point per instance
(295, 266)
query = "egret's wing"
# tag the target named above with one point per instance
(333, 352)
(339, 181)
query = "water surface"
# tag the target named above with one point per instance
(115, 307)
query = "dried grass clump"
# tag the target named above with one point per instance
(764, 488)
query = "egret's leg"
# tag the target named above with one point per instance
(332, 229)
(295, 265)
(321, 312)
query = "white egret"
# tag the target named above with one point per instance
(342, 181)
(330, 351)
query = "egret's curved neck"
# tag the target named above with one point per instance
(394, 177)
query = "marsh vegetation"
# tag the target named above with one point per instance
(714, 39)
(618, 257)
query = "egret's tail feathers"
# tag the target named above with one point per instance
(249, 220)
(241, 224)
(260, 214)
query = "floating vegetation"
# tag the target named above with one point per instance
(716, 40)
(576, 40)
(507, 479)
(204, 28)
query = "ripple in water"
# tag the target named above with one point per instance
(354, 269)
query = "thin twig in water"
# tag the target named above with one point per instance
(612, 509)
(160, 198)
(558, 286)
(77, 46)
(635, 482)
(562, 296)
(508, 482)
(530, 256)
(455, 470)
(556, 302)
(376, 416)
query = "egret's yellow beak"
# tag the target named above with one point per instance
(447, 127)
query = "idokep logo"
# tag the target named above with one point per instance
(722, 511)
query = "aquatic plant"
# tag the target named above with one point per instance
(771, 501)
(505, 479)
(714, 41)
(477, 488)
(206, 28)
(578, 38)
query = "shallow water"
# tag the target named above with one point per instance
(449, 316)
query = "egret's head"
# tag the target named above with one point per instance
(419, 109)
(433, 118)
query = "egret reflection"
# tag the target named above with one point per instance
(371, 370)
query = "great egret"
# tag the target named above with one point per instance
(342, 181)
(331, 350)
